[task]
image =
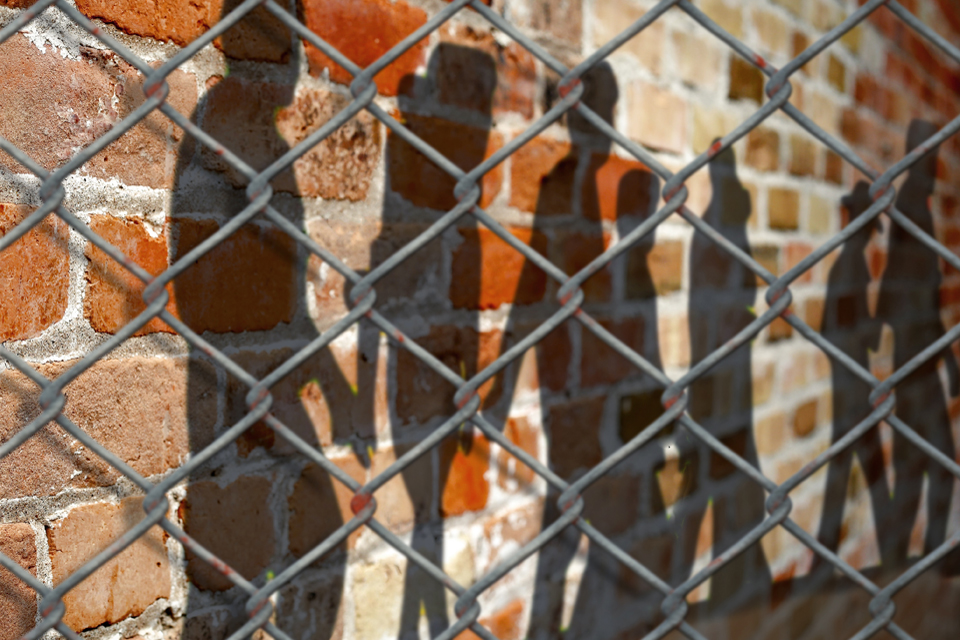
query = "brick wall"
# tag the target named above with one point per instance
(363, 193)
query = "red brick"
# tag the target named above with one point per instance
(252, 275)
(259, 36)
(575, 435)
(422, 394)
(601, 364)
(465, 460)
(516, 73)
(34, 275)
(364, 30)
(488, 273)
(128, 583)
(543, 166)
(521, 433)
(18, 602)
(55, 106)
(105, 401)
(247, 116)
(235, 523)
(114, 295)
(319, 504)
(465, 146)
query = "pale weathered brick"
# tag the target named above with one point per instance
(128, 583)
(18, 602)
(658, 117)
(102, 401)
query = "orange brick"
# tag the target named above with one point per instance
(34, 275)
(465, 460)
(487, 272)
(247, 117)
(615, 187)
(541, 177)
(114, 295)
(572, 251)
(259, 36)
(363, 31)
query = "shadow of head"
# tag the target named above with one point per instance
(923, 174)
(730, 205)
(854, 204)
(600, 94)
(456, 76)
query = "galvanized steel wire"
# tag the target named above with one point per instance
(570, 296)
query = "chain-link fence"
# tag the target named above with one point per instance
(363, 295)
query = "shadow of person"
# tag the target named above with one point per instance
(246, 297)
(722, 297)
(849, 326)
(572, 205)
(909, 303)
(613, 601)
(449, 108)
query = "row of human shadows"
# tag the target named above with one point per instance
(722, 293)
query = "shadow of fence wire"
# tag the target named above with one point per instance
(569, 503)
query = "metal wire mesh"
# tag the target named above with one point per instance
(363, 295)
